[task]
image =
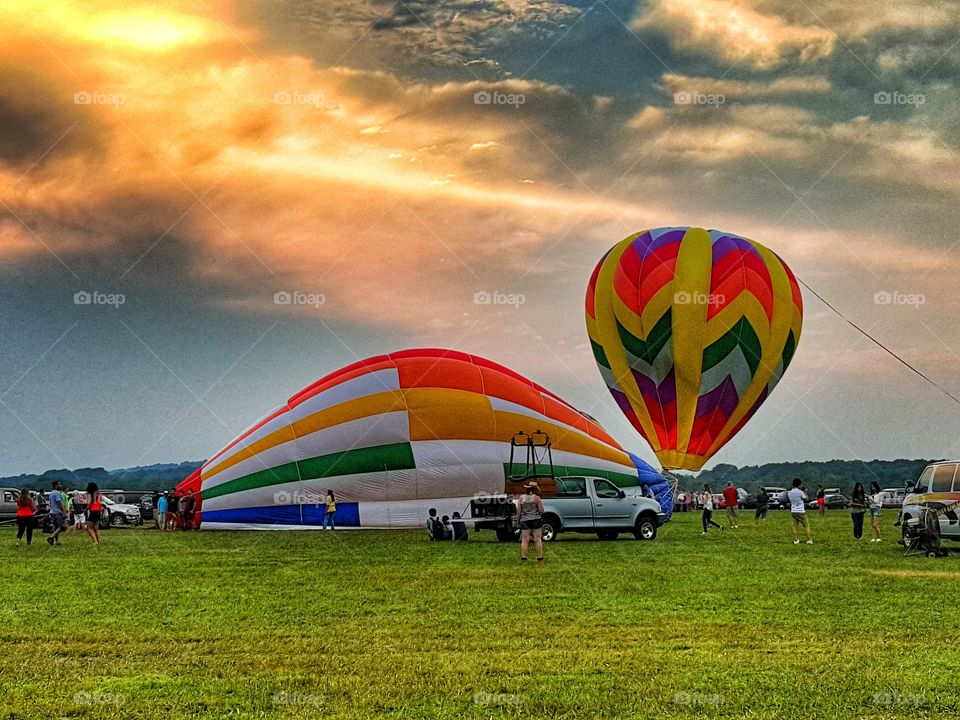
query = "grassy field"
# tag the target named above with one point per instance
(385, 624)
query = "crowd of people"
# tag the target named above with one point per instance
(82, 511)
(860, 504)
(175, 511)
(76, 511)
(444, 528)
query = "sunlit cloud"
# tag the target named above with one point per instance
(735, 31)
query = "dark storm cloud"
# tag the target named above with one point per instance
(40, 121)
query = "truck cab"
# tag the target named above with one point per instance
(579, 504)
(937, 490)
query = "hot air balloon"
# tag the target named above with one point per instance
(691, 330)
(394, 435)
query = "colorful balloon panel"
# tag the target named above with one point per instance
(691, 330)
(396, 434)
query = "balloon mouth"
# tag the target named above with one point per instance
(675, 460)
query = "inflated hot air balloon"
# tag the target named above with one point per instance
(691, 329)
(396, 434)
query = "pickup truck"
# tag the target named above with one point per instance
(580, 504)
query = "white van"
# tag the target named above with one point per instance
(938, 488)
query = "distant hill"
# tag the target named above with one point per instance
(146, 477)
(831, 473)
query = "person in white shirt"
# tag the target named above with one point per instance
(798, 511)
(875, 501)
(706, 499)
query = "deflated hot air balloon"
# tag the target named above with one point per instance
(394, 435)
(691, 329)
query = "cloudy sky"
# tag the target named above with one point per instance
(179, 164)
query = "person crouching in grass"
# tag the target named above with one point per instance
(798, 512)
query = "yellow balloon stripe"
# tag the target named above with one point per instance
(606, 335)
(772, 344)
(692, 277)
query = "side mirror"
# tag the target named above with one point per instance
(621, 494)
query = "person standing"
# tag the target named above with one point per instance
(330, 512)
(58, 512)
(876, 502)
(185, 511)
(706, 502)
(26, 514)
(821, 500)
(798, 512)
(94, 513)
(858, 507)
(155, 503)
(763, 506)
(530, 520)
(80, 503)
(731, 501)
(161, 513)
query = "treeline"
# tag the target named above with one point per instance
(148, 477)
(831, 473)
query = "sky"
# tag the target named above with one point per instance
(205, 206)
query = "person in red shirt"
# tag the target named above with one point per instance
(26, 510)
(731, 502)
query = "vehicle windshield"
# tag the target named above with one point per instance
(107, 501)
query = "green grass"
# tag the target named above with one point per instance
(385, 624)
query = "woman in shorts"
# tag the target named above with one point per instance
(95, 508)
(80, 511)
(530, 519)
(876, 502)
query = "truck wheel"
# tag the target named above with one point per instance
(504, 535)
(608, 534)
(646, 528)
(548, 533)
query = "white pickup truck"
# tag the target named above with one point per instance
(580, 504)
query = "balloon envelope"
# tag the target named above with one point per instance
(691, 329)
(396, 434)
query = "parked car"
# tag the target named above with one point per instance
(778, 497)
(937, 489)
(116, 514)
(746, 499)
(834, 501)
(893, 497)
(146, 506)
(581, 504)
